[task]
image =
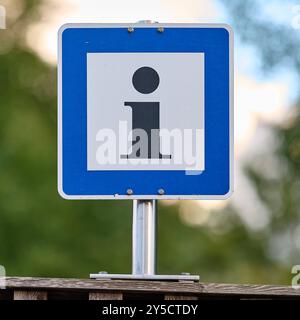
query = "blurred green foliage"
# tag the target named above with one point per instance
(44, 235)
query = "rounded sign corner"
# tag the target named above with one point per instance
(63, 28)
(62, 193)
(228, 28)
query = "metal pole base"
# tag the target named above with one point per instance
(144, 248)
(154, 277)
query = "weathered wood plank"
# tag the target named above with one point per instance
(30, 295)
(181, 288)
(179, 297)
(105, 296)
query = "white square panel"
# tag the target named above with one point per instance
(180, 94)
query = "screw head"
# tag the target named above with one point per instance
(160, 29)
(129, 192)
(161, 191)
(185, 273)
(130, 29)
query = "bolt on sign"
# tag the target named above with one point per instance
(145, 111)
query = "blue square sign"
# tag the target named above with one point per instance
(145, 111)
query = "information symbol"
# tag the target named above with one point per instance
(145, 80)
(145, 116)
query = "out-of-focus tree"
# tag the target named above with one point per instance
(278, 186)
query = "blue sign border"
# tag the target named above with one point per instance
(75, 181)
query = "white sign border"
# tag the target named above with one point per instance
(155, 196)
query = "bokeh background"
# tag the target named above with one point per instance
(254, 237)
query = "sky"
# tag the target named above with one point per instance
(253, 92)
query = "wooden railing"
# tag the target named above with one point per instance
(79, 289)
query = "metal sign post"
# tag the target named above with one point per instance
(145, 113)
(144, 233)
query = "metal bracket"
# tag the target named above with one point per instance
(154, 277)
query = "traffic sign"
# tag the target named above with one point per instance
(145, 111)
